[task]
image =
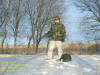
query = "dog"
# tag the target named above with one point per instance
(65, 57)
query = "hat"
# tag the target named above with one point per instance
(57, 17)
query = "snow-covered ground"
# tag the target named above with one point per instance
(38, 65)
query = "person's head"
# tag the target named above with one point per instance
(57, 19)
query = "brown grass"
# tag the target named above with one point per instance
(73, 48)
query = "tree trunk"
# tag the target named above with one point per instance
(30, 38)
(36, 49)
(4, 34)
(37, 41)
(47, 46)
(15, 37)
(96, 47)
(28, 51)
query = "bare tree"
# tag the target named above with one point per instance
(32, 12)
(90, 25)
(91, 20)
(6, 13)
(41, 14)
(17, 13)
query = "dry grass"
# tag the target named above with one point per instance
(73, 48)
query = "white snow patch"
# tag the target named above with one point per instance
(2, 56)
(70, 64)
(44, 72)
(38, 65)
(87, 69)
(96, 58)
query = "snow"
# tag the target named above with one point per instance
(2, 56)
(39, 65)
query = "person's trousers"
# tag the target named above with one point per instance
(52, 45)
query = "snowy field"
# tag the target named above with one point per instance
(38, 65)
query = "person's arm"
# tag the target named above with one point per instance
(47, 34)
(64, 32)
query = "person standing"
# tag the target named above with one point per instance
(57, 35)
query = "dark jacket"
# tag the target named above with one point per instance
(57, 32)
